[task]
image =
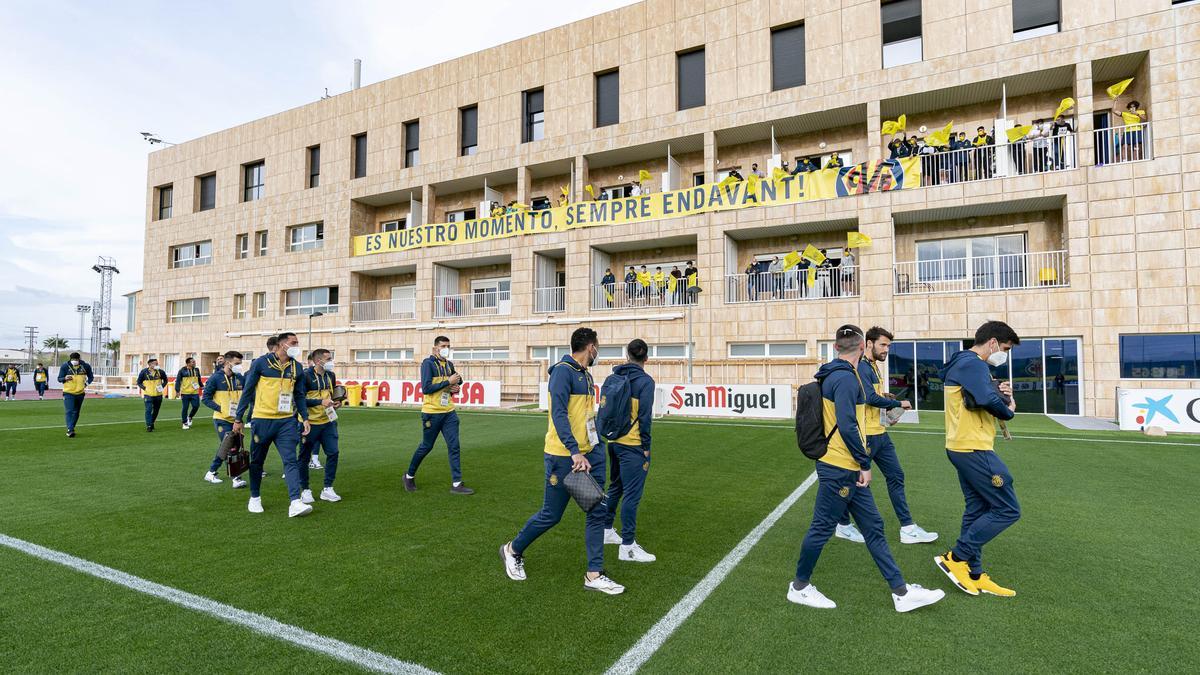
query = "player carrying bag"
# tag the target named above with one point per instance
(810, 422)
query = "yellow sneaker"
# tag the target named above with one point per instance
(985, 584)
(959, 572)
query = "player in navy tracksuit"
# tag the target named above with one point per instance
(152, 381)
(319, 382)
(629, 457)
(440, 382)
(221, 394)
(188, 386)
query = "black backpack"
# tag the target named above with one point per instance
(810, 421)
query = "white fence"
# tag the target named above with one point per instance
(828, 282)
(1027, 156)
(489, 302)
(622, 295)
(985, 273)
(383, 310)
(552, 299)
(1118, 145)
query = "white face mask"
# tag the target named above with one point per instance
(238, 368)
(328, 365)
(998, 359)
(293, 352)
(74, 362)
(444, 352)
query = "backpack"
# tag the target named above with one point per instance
(810, 421)
(615, 417)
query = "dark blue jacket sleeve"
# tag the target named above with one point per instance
(210, 388)
(645, 410)
(560, 399)
(248, 390)
(62, 373)
(310, 402)
(873, 399)
(427, 370)
(845, 401)
(300, 393)
(977, 381)
(141, 378)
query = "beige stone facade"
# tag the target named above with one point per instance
(1124, 235)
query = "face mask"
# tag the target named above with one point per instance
(444, 352)
(238, 368)
(293, 352)
(74, 362)
(328, 364)
(998, 359)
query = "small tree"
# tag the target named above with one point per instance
(56, 343)
(114, 346)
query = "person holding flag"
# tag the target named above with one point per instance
(41, 381)
(609, 283)
(152, 381)
(816, 258)
(983, 153)
(692, 275)
(187, 383)
(660, 285)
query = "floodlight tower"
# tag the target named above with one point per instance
(106, 268)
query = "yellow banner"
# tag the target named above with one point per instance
(856, 179)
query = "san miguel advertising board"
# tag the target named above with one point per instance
(766, 401)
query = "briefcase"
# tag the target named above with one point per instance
(237, 459)
(584, 490)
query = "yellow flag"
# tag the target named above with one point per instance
(644, 176)
(643, 278)
(778, 174)
(813, 254)
(729, 180)
(941, 136)
(1017, 133)
(891, 127)
(671, 281)
(590, 190)
(752, 182)
(693, 280)
(565, 191)
(791, 260)
(1067, 104)
(812, 277)
(1119, 88)
(608, 295)
(857, 240)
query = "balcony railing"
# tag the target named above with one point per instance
(984, 273)
(623, 295)
(1027, 156)
(552, 299)
(383, 310)
(828, 282)
(480, 303)
(1118, 145)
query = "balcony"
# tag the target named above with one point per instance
(1025, 157)
(482, 302)
(383, 310)
(622, 295)
(1121, 145)
(1015, 271)
(550, 300)
(792, 285)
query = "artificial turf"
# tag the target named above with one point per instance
(1101, 560)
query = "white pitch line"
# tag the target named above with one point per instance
(342, 651)
(63, 427)
(654, 638)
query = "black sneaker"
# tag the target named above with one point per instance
(71, 434)
(461, 489)
(149, 429)
(410, 484)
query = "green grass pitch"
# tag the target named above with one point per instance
(1103, 560)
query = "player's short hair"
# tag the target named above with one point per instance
(441, 339)
(996, 329)
(637, 350)
(74, 355)
(231, 354)
(848, 338)
(318, 353)
(191, 359)
(583, 337)
(877, 332)
(273, 342)
(285, 336)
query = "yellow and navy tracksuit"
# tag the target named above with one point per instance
(41, 380)
(221, 393)
(323, 432)
(987, 485)
(268, 382)
(572, 429)
(152, 382)
(879, 444)
(75, 380)
(437, 416)
(187, 384)
(629, 455)
(844, 400)
(12, 377)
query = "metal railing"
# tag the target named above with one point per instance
(1027, 156)
(828, 282)
(1119, 145)
(383, 310)
(984, 273)
(479, 303)
(622, 295)
(551, 299)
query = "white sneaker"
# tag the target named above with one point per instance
(211, 477)
(635, 553)
(306, 496)
(238, 483)
(329, 495)
(264, 474)
(298, 508)
(611, 537)
(917, 596)
(314, 464)
(514, 563)
(849, 533)
(603, 584)
(185, 426)
(255, 505)
(809, 596)
(915, 534)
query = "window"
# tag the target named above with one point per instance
(534, 116)
(131, 313)
(239, 306)
(310, 300)
(539, 204)
(993, 261)
(479, 353)
(698, 179)
(468, 130)
(554, 354)
(368, 355)
(1034, 18)
(487, 293)
(768, 350)
(460, 216)
(616, 192)
(1160, 356)
(190, 255)
(669, 351)
(314, 166)
(846, 156)
(393, 225)
(360, 155)
(787, 57)
(260, 304)
(412, 144)
(170, 363)
(252, 181)
(208, 192)
(306, 237)
(689, 79)
(190, 310)
(165, 197)
(260, 239)
(243, 246)
(901, 32)
(608, 98)
(404, 300)
(826, 351)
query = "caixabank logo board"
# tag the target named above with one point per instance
(1175, 410)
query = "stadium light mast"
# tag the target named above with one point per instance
(106, 268)
(82, 309)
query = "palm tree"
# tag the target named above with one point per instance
(56, 343)
(114, 346)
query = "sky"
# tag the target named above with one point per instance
(80, 80)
